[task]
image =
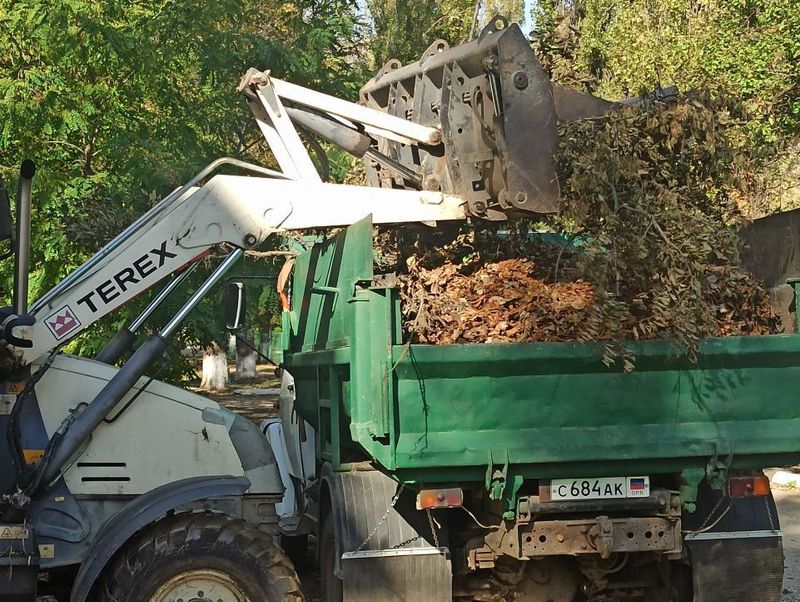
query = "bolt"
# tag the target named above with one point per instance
(432, 183)
(479, 207)
(520, 198)
(559, 538)
(520, 80)
(250, 240)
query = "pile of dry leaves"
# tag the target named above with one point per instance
(506, 301)
(649, 245)
(500, 302)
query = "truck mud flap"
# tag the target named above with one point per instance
(397, 575)
(737, 566)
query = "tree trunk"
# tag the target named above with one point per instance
(215, 368)
(263, 342)
(245, 356)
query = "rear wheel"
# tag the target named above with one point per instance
(204, 558)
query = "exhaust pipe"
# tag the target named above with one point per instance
(23, 248)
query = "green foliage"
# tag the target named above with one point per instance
(121, 102)
(652, 191)
(513, 10)
(738, 48)
(405, 28)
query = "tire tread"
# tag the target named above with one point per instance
(171, 536)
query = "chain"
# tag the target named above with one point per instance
(403, 544)
(433, 528)
(431, 522)
(769, 513)
(383, 518)
(712, 513)
(411, 540)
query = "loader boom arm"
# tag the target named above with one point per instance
(466, 131)
(239, 210)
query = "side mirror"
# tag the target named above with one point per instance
(235, 306)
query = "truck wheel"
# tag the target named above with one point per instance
(204, 558)
(332, 586)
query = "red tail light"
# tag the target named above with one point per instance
(752, 486)
(428, 499)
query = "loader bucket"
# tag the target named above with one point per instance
(495, 107)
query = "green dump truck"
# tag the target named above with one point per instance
(484, 472)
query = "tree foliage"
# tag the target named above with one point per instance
(652, 193)
(405, 28)
(736, 48)
(120, 102)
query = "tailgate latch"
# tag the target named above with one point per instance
(496, 478)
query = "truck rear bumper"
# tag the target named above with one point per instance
(598, 535)
(601, 535)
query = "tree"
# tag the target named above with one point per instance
(738, 49)
(513, 10)
(403, 29)
(215, 368)
(246, 355)
(121, 102)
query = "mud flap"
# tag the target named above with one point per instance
(737, 566)
(397, 575)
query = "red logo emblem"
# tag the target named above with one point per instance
(62, 322)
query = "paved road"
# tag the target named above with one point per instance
(788, 501)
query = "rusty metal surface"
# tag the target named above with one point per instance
(602, 536)
(494, 105)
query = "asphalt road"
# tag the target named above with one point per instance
(788, 501)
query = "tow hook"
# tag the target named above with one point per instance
(602, 537)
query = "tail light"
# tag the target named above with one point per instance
(748, 486)
(427, 499)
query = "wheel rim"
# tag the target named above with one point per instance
(200, 585)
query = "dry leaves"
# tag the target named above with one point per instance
(650, 223)
(486, 301)
(501, 302)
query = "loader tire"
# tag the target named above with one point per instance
(204, 557)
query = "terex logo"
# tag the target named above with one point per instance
(138, 271)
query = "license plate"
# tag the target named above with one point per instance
(599, 489)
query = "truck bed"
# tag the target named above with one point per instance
(541, 410)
